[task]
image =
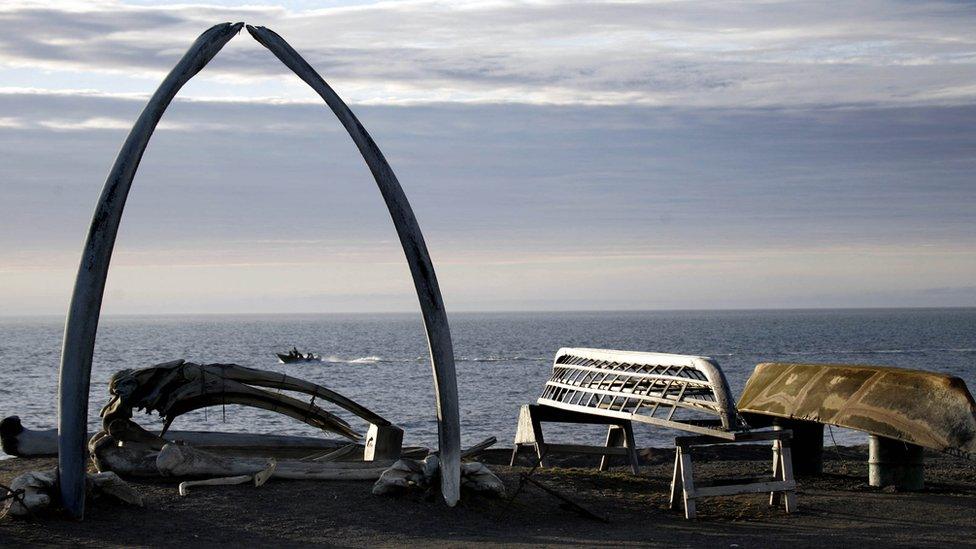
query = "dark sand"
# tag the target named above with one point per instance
(838, 509)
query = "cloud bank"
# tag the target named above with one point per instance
(716, 53)
(706, 154)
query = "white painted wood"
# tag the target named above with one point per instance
(383, 442)
(184, 487)
(640, 386)
(687, 482)
(184, 461)
(736, 489)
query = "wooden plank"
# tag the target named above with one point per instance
(643, 419)
(734, 489)
(691, 404)
(733, 437)
(657, 379)
(584, 449)
(546, 413)
(687, 483)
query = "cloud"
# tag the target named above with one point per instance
(777, 53)
(507, 177)
(700, 154)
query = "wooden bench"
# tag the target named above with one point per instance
(616, 388)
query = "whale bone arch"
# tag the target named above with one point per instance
(81, 325)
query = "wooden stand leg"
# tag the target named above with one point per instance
(787, 467)
(383, 443)
(615, 439)
(807, 440)
(687, 482)
(675, 480)
(621, 436)
(631, 447)
(515, 452)
(529, 432)
(777, 472)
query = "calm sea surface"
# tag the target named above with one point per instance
(503, 359)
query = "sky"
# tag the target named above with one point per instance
(558, 155)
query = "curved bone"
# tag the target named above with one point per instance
(175, 388)
(83, 314)
(289, 383)
(86, 300)
(415, 249)
(249, 376)
(255, 398)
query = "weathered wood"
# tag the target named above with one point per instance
(418, 259)
(621, 436)
(687, 481)
(529, 433)
(86, 300)
(786, 474)
(781, 483)
(808, 444)
(383, 443)
(184, 461)
(478, 448)
(735, 489)
(259, 479)
(585, 449)
(184, 487)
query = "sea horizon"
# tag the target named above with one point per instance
(502, 311)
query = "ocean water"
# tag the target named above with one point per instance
(503, 359)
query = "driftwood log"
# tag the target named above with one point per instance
(259, 479)
(17, 440)
(86, 300)
(182, 461)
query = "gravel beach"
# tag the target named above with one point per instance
(837, 509)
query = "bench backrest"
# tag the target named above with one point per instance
(678, 391)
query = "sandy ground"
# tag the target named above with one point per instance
(838, 509)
